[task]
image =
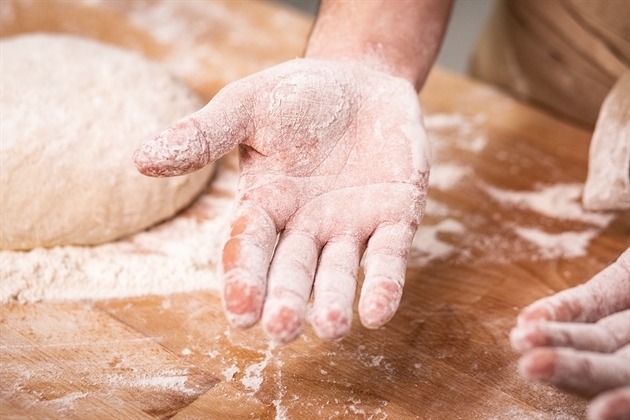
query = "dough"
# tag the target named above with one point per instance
(72, 113)
(608, 182)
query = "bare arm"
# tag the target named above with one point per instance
(401, 38)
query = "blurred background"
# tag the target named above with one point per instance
(467, 19)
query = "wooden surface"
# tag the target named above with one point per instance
(445, 355)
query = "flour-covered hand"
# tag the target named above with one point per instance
(579, 340)
(334, 164)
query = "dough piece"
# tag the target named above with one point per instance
(73, 111)
(608, 182)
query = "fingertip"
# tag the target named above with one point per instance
(290, 283)
(243, 274)
(143, 161)
(378, 303)
(242, 303)
(385, 270)
(526, 338)
(538, 364)
(243, 321)
(518, 340)
(178, 150)
(534, 314)
(283, 322)
(612, 405)
(335, 288)
(331, 323)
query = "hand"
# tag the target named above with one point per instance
(334, 160)
(579, 340)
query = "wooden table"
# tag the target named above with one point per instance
(445, 355)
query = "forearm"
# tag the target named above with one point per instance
(399, 37)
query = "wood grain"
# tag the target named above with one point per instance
(445, 355)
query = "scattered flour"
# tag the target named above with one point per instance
(281, 412)
(560, 245)
(164, 21)
(253, 378)
(376, 360)
(67, 401)
(436, 208)
(442, 121)
(179, 255)
(229, 372)
(481, 238)
(447, 175)
(469, 135)
(427, 247)
(169, 379)
(560, 201)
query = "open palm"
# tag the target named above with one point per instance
(334, 160)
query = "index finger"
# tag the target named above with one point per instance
(606, 293)
(245, 263)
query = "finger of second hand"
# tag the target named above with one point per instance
(334, 288)
(606, 336)
(606, 293)
(289, 288)
(582, 372)
(385, 267)
(245, 262)
(611, 405)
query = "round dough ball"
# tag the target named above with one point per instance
(73, 111)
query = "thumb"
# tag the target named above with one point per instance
(199, 138)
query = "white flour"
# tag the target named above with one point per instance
(253, 377)
(448, 130)
(67, 401)
(449, 233)
(435, 208)
(169, 379)
(427, 246)
(559, 245)
(560, 201)
(229, 372)
(447, 175)
(450, 237)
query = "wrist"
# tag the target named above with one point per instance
(372, 54)
(401, 38)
